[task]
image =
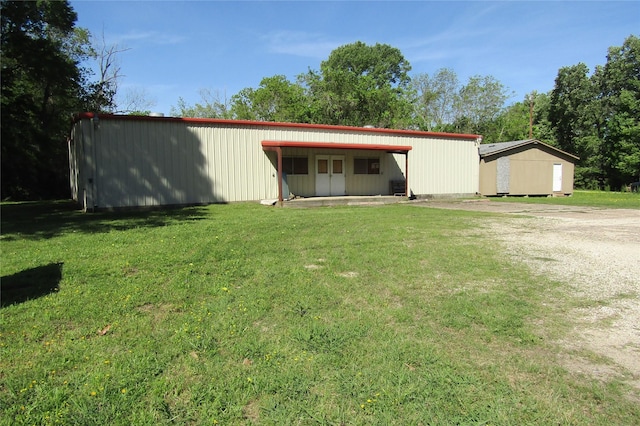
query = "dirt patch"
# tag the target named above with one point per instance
(596, 252)
(251, 411)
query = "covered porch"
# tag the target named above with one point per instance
(341, 169)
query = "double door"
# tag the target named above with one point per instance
(330, 176)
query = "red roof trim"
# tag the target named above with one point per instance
(90, 115)
(373, 147)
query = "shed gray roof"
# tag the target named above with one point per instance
(493, 148)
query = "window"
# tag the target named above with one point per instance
(337, 167)
(295, 165)
(323, 166)
(366, 166)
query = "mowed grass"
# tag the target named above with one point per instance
(245, 314)
(605, 199)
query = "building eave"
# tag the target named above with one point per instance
(250, 123)
(400, 149)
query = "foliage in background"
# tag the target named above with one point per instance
(435, 99)
(45, 80)
(577, 122)
(276, 99)
(42, 85)
(213, 105)
(360, 85)
(479, 104)
(441, 103)
(620, 93)
(597, 117)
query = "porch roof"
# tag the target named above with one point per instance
(400, 149)
(278, 145)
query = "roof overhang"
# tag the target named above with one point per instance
(261, 124)
(396, 149)
(278, 145)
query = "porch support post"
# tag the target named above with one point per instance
(278, 151)
(280, 197)
(406, 174)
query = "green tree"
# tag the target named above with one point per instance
(478, 105)
(42, 85)
(620, 92)
(360, 85)
(542, 127)
(277, 99)
(440, 103)
(212, 105)
(101, 94)
(515, 121)
(510, 125)
(574, 112)
(435, 99)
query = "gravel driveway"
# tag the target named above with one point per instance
(595, 251)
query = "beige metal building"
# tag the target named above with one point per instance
(527, 167)
(131, 161)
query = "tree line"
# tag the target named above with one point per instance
(596, 117)
(44, 81)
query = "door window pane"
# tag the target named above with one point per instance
(323, 166)
(337, 166)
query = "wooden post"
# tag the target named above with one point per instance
(280, 197)
(278, 151)
(406, 174)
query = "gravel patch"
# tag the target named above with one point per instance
(596, 252)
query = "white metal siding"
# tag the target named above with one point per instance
(356, 184)
(443, 166)
(162, 162)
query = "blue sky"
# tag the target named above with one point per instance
(177, 48)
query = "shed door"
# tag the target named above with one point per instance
(557, 178)
(503, 175)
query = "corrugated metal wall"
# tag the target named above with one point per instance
(443, 166)
(128, 162)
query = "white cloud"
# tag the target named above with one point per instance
(299, 43)
(150, 37)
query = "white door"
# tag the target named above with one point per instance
(330, 179)
(337, 176)
(323, 177)
(557, 178)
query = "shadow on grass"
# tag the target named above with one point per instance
(48, 219)
(30, 284)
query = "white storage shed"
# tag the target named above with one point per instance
(132, 161)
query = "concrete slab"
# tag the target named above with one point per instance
(344, 201)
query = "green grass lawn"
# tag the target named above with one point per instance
(616, 200)
(245, 314)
